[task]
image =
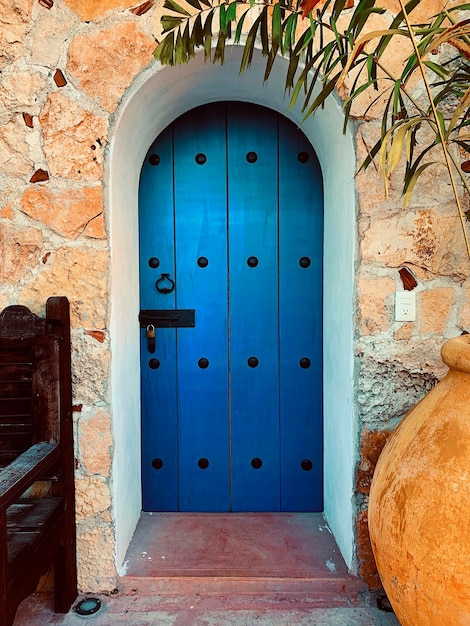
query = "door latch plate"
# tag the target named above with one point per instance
(168, 318)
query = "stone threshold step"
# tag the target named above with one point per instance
(240, 592)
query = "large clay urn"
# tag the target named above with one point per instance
(419, 509)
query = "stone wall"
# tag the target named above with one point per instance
(65, 66)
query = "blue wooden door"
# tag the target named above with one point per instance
(231, 226)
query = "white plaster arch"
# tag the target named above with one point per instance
(158, 96)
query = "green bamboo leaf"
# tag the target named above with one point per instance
(360, 17)
(371, 154)
(174, 6)
(361, 43)
(411, 183)
(300, 83)
(276, 26)
(337, 9)
(170, 23)
(187, 43)
(356, 26)
(460, 109)
(264, 32)
(461, 29)
(181, 55)
(396, 98)
(322, 96)
(289, 27)
(208, 36)
(164, 51)
(195, 4)
(437, 69)
(222, 19)
(239, 29)
(357, 92)
(232, 11)
(219, 54)
(410, 67)
(370, 66)
(385, 40)
(198, 33)
(442, 124)
(249, 45)
(291, 70)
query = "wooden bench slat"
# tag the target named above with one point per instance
(30, 514)
(26, 469)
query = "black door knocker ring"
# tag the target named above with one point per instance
(165, 278)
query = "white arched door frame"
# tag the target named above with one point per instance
(157, 97)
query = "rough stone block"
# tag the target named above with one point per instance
(434, 309)
(78, 207)
(374, 293)
(80, 274)
(89, 10)
(95, 443)
(73, 139)
(104, 62)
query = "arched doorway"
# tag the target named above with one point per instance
(231, 255)
(155, 100)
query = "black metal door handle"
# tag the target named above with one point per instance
(160, 284)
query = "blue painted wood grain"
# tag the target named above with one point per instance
(228, 209)
(201, 230)
(159, 400)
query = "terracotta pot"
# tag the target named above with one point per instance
(419, 509)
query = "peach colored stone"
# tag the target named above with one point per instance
(14, 150)
(89, 10)
(80, 274)
(419, 501)
(92, 496)
(21, 249)
(95, 228)
(370, 103)
(21, 90)
(15, 23)
(74, 139)
(95, 444)
(7, 212)
(50, 32)
(77, 208)
(373, 295)
(464, 312)
(105, 62)
(434, 308)
(422, 238)
(423, 11)
(91, 360)
(95, 555)
(404, 332)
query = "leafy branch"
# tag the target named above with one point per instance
(324, 56)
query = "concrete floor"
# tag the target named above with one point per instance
(227, 569)
(37, 611)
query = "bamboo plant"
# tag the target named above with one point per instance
(319, 52)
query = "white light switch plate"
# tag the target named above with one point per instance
(405, 306)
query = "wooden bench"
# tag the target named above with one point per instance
(37, 498)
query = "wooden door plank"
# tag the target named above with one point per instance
(201, 231)
(300, 296)
(159, 385)
(253, 217)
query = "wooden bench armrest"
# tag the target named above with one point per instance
(25, 470)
